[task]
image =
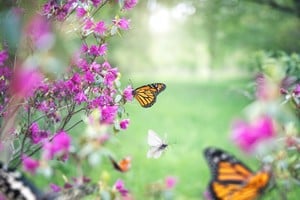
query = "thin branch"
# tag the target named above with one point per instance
(74, 125)
(27, 130)
(99, 8)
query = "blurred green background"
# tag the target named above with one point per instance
(204, 52)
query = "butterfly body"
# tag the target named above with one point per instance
(233, 180)
(146, 95)
(156, 145)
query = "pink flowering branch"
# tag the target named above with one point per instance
(38, 111)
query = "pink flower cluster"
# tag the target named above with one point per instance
(90, 83)
(60, 146)
(248, 135)
(120, 187)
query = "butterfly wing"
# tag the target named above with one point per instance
(154, 140)
(146, 94)
(122, 166)
(231, 179)
(154, 152)
(157, 145)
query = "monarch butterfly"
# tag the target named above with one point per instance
(123, 165)
(233, 180)
(157, 145)
(146, 94)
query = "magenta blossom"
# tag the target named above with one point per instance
(106, 65)
(96, 2)
(170, 182)
(37, 135)
(29, 164)
(122, 23)
(110, 76)
(128, 93)
(55, 188)
(80, 12)
(3, 57)
(124, 124)
(89, 24)
(84, 48)
(247, 136)
(129, 4)
(39, 31)
(296, 90)
(102, 49)
(100, 28)
(25, 81)
(120, 187)
(108, 114)
(80, 97)
(60, 145)
(207, 195)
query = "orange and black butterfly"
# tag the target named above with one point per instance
(123, 165)
(146, 94)
(233, 180)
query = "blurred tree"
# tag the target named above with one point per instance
(218, 33)
(290, 6)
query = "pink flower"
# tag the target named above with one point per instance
(122, 23)
(60, 145)
(39, 30)
(108, 114)
(207, 195)
(89, 24)
(3, 57)
(128, 93)
(94, 50)
(95, 67)
(25, 82)
(102, 49)
(96, 2)
(89, 77)
(80, 12)
(80, 97)
(296, 91)
(170, 182)
(129, 4)
(100, 28)
(110, 76)
(55, 188)
(29, 164)
(124, 124)
(247, 136)
(84, 48)
(106, 65)
(37, 135)
(120, 187)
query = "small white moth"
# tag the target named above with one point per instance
(156, 145)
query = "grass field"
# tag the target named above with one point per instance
(192, 116)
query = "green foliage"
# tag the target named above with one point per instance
(267, 61)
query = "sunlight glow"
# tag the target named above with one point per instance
(160, 21)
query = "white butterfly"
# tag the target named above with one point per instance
(156, 144)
